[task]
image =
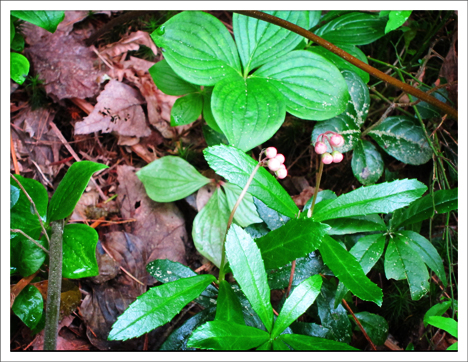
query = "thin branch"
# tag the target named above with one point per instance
(359, 325)
(13, 155)
(29, 238)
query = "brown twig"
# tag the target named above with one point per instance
(29, 238)
(359, 325)
(13, 155)
(122, 268)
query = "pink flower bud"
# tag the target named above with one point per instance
(327, 158)
(282, 173)
(274, 164)
(337, 156)
(280, 158)
(271, 152)
(320, 147)
(337, 140)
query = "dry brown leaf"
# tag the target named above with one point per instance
(301, 199)
(204, 194)
(449, 69)
(128, 43)
(75, 16)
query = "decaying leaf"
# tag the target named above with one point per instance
(129, 42)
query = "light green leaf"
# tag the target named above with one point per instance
(19, 67)
(246, 214)
(453, 347)
(228, 307)
(169, 82)
(208, 114)
(48, 20)
(447, 324)
(367, 163)
(396, 19)
(437, 310)
(357, 224)
(308, 343)
(314, 18)
(14, 195)
(368, 250)
(29, 306)
(375, 326)
(186, 109)
(170, 178)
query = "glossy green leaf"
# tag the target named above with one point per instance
(186, 109)
(235, 166)
(70, 189)
(353, 29)
(314, 18)
(48, 20)
(247, 266)
(367, 163)
(169, 82)
(209, 227)
(208, 113)
(296, 239)
(309, 329)
(272, 218)
(348, 270)
(251, 317)
(375, 326)
(79, 251)
(29, 306)
(321, 196)
(279, 345)
(396, 19)
(14, 195)
(403, 138)
(12, 30)
(437, 310)
(246, 213)
(222, 335)
(170, 178)
(427, 110)
(297, 303)
(368, 250)
(248, 111)
(312, 86)
(158, 306)
(402, 262)
(18, 43)
(19, 67)
(453, 347)
(357, 224)
(257, 230)
(198, 47)
(212, 137)
(447, 324)
(228, 307)
(307, 343)
(267, 346)
(25, 256)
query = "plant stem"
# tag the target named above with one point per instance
(359, 325)
(54, 286)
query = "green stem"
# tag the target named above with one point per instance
(54, 286)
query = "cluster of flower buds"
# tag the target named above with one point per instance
(336, 140)
(275, 162)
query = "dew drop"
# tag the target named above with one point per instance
(161, 30)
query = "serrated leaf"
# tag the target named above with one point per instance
(25, 256)
(347, 269)
(368, 251)
(169, 82)
(297, 303)
(382, 198)
(367, 163)
(48, 20)
(307, 343)
(296, 239)
(447, 324)
(198, 47)
(19, 67)
(235, 166)
(29, 306)
(403, 138)
(70, 189)
(375, 326)
(228, 307)
(247, 266)
(248, 111)
(186, 109)
(401, 262)
(313, 88)
(246, 214)
(222, 335)
(170, 178)
(272, 218)
(396, 19)
(437, 310)
(157, 307)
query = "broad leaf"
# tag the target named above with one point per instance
(213, 137)
(396, 19)
(70, 189)
(309, 329)
(307, 343)
(222, 335)
(296, 239)
(272, 218)
(170, 178)
(297, 303)
(26, 257)
(347, 269)
(48, 20)
(437, 310)
(246, 263)
(375, 326)
(186, 109)
(357, 224)
(382, 198)
(19, 67)
(403, 138)
(198, 47)
(169, 82)
(246, 213)
(427, 110)
(279, 345)
(208, 113)
(29, 306)
(18, 43)
(235, 166)
(401, 262)
(312, 86)
(228, 307)
(14, 195)
(447, 324)
(368, 251)
(158, 306)
(367, 163)
(248, 111)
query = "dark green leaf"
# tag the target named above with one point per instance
(186, 109)
(25, 256)
(29, 306)
(272, 218)
(222, 335)
(247, 266)
(300, 342)
(257, 230)
(19, 67)
(14, 195)
(427, 110)
(70, 189)
(208, 113)
(309, 329)
(79, 251)
(321, 196)
(236, 167)
(158, 306)
(228, 307)
(396, 19)
(437, 310)
(48, 20)
(169, 82)
(368, 251)
(251, 318)
(12, 30)
(403, 138)
(375, 326)
(447, 324)
(18, 43)
(357, 224)
(212, 137)
(170, 178)
(246, 213)
(367, 163)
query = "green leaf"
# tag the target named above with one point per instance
(401, 262)
(321, 196)
(246, 214)
(19, 67)
(228, 307)
(309, 329)
(382, 198)
(158, 306)
(198, 47)
(18, 43)
(209, 227)
(296, 239)
(12, 30)
(308, 343)
(70, 189)
(312, 86)
(79, 251)
(427, 110)
(353, 29)
(347, 269)
(248, 111)
(208, 113)
(272, 218)
(259, 41)
(368, 251)
(251, 317)
(367, 163)
(222, 335)
(314, 18)
(48, 20)
(14, 195)
(447, 324)
(235, 166)
(297, 303)
(437, 310)
(29, 306)
(396, 19)
(212, 137)
(247, 266)
(375, 326)
(186, 109)
(453, 347)
(169, 82)
(280, 346)
(170, 178)
(267, 346)
(25, 256)
(403, 138)
(427, 252)
(357, 224)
